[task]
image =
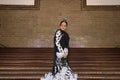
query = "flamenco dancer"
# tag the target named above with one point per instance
(61, 69)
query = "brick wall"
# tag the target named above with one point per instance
(35, 28)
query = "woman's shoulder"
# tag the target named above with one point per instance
(58, 31)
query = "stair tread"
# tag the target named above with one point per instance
(49, 68)
(42, 72)
(38, 65)
(49, 61)
(39, 76)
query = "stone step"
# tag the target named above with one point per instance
(49, 68)
(81, 50)
(27, 57)
(97, 77)
(71, 59)
(71, 52)
(40, 55)
(50, 62)
(72, 64)
(51, 54)
(27, 72)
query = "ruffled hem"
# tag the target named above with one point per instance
(62, 75)
(58, 76)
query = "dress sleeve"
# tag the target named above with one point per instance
(66, 41)
(60, 51)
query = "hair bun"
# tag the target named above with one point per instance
(65, 19)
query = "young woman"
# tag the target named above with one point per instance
(61, 68)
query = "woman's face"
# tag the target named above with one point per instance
(63, 26)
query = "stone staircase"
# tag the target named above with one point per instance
(33, 63)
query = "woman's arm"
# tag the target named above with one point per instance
(60, 51)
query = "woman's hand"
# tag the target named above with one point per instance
(65, 55)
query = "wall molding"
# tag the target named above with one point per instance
(21, 7)
(85, 7)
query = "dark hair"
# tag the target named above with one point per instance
(64, 21)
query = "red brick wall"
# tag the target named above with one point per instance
(35, 28)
